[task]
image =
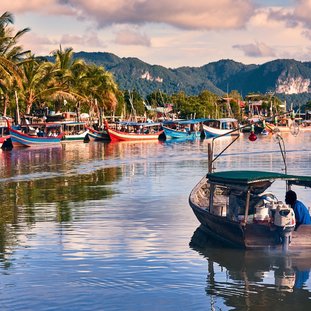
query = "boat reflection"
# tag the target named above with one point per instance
(251, 279)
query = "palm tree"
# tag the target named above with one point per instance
(101, 88)
(10, 55)
(67, 75)
(36, 81)
(8, 39)
(88, 84)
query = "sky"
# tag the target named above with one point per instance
(166, 32)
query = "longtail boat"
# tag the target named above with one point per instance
(133, 131)
(101, 135)
(20, 139)
(219, 127)
(183, 129)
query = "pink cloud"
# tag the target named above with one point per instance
(37, 44)
(128, 37)
(48, 7)
(88, 40)
(200, 14)
(259, 49)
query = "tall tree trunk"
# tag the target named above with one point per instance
(18, 119)
(6, 103)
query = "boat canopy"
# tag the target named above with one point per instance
(144, 124)
(221, 120)
(189, 121)
(257, 179)
(72, 123)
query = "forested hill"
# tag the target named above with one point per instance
(282, 76)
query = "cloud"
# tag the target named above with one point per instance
(259, 49)
(298, 15)
(47, 7)
(307, 34)
(40, 45)
(88, 40)
(302, 12)
(184, 14)
(37, 44)
(130, 37)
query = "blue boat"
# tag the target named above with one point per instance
(184, 129)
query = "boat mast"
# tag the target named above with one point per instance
(131, 99)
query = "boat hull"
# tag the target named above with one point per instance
(75, 137)
(241, 234)
(98, 135)
(23, 140)
(175, 134)
(220, 127)
(123, 136)
(4, 138)
(213, 132)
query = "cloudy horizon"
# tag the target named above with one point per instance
(168, 34)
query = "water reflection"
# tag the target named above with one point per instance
(251, 280)
(110, 223)
(31, 192)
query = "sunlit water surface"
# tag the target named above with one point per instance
(95, 226)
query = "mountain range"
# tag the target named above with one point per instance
(288, 78)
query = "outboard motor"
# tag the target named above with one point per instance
(284, 220)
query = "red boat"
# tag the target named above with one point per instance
(132, 131)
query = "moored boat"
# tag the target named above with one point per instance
(132, 131)
(183, 129)
(20, 139)
(97, 135)
(234, 207)
(74, 131)
(218, 127)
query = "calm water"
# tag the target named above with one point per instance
(108, 227)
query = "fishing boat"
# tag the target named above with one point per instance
(235, 207)
(183, 129)
(20, 139)
(217, 127)
(74, 131)
(134, 131)
(97, 135)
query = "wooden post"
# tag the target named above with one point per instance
(210, 158)
(248, 196)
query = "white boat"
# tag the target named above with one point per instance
(74, 131)
(217, 127)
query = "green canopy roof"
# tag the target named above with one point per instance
(244, 178)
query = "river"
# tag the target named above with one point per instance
(107, 226)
